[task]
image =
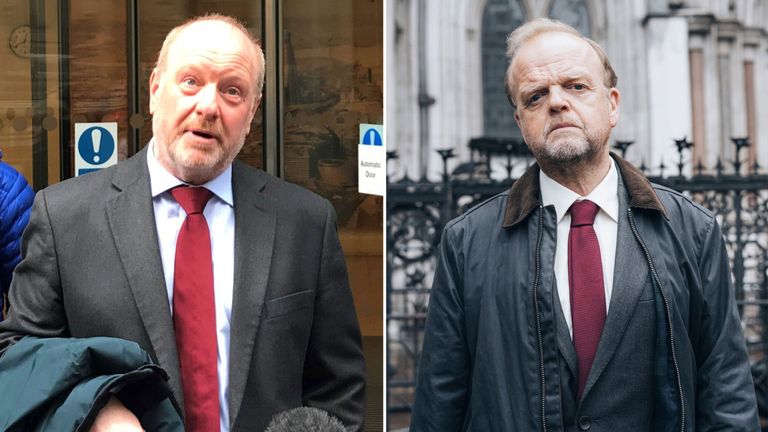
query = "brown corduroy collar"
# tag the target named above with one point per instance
(525, 193)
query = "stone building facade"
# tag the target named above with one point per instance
(686, 68)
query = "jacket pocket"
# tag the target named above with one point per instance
(289, 303)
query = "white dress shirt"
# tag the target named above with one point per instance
(220, 215)
(606, 196)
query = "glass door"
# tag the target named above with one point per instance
(68, 62)
(331, 81)
(30, 110)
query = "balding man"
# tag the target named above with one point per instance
(585, 297)
(232, 280)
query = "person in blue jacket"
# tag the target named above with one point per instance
(15, 203)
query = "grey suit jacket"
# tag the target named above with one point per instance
(619, 388)
(91, 267)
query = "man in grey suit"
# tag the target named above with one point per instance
(100, 256)
(584, 298)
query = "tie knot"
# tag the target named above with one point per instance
(191, 199)
(583, 213)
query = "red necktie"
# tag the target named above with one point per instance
(194, 315)
(585, 277)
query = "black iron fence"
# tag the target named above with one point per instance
(417, 210)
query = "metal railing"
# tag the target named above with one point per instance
(417, 211)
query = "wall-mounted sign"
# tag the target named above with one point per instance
(372, 160)
(95, 146)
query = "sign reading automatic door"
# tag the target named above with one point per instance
(372, 160)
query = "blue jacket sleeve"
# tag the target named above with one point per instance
(15, 203)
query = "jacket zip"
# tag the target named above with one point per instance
(669, 316)
(536, 278)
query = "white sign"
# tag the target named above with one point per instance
(95, 146)
(372, 160)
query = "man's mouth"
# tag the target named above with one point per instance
(202, 133)
(561, 126)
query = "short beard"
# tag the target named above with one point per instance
(574, 152)
(196, 171)
(587, 149)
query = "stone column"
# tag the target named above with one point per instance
(669, 87)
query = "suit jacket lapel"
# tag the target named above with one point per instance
(564, 341)
(255, 221)
(630, 277)
(132, 221)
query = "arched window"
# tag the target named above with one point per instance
(573, 13)
(500, 17)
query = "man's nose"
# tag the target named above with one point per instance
(558, 99)
(208, 101)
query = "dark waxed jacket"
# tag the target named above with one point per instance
(490, 359)
(61, 384)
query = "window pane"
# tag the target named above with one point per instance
(98, 80)
(499, 19)
(572, 12)
(332, 82)
(29, 108)
(332, 79)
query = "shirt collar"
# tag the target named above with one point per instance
(161, 180)
(605, 195)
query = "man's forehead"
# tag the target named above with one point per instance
(552, 47)
(555, 53)
(210, 35)
(213, 43)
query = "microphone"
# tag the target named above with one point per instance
(304, 419)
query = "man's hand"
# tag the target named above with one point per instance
(115, 417)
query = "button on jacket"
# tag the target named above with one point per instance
(497, 354)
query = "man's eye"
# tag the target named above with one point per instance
(535, 98)
(579, 87)
(232, 91)
(190, 82)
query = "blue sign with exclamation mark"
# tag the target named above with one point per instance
(96, 146)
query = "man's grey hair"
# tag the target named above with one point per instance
(162, 57)
(539, 26)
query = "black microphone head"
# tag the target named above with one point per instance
(304, 419)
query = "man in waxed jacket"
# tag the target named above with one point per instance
(585, 298)
(15, 203)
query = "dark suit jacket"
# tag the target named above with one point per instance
(91, 267)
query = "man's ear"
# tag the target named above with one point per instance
(154, 85)
(614, 97)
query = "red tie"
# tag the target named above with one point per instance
(585, 276)
(194, 315)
